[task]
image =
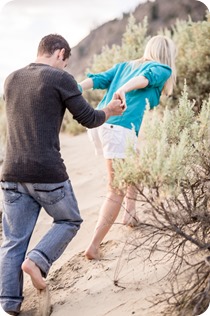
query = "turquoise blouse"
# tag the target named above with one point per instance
(114, 78)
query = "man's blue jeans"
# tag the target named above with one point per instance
(22, 203)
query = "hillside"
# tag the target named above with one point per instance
(160, 14)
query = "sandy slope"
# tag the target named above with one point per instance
(80, 287)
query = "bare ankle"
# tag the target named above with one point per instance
(131, 219)
(92, 253)
(34, 272)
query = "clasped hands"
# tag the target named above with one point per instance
(120, 95)
(118, 104)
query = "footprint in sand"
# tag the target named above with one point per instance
(44, 302)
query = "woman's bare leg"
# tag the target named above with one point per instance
(107, 216)
(130, 218)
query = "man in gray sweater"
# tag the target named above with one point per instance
(34, 174)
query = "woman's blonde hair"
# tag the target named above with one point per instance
(162, 49)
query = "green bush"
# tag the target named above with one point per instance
(173, 144)
(172, 177)
(193, 59)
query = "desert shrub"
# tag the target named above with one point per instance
(172, 177)
(193, 60)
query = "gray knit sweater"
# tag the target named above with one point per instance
(36, 98)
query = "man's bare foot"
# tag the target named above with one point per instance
(92, 253)
(34, 272)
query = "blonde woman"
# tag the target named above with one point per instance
(133, 82)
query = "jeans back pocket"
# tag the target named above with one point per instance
(10, 192)
(49, 193)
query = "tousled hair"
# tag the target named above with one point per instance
(50, 43)
(162, 49)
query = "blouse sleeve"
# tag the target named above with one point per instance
(157, 75)
(103, 80)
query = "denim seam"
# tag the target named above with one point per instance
(42, 266)
(10, 298)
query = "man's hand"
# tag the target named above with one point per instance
(115, 107)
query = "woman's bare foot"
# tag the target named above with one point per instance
(34, 272)
(131, 219)
(92, 253)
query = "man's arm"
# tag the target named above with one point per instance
(81, 110)
(89, 117)
(113, 108)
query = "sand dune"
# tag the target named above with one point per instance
(120, 283)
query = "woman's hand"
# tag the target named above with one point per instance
(135, 83)
(120, 95)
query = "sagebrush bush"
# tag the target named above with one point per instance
(173, 144)
(193, 59)
(171, 174)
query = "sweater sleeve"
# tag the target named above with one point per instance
(102, 80)
(81, 110)
(157, 75)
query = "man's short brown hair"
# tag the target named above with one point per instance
(50, 43)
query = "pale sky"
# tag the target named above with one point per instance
(24, 22)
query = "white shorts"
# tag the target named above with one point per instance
(112, 141)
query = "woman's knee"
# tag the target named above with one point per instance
(115, 192)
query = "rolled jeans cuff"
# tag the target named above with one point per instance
(40, 260)
(11, 304)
